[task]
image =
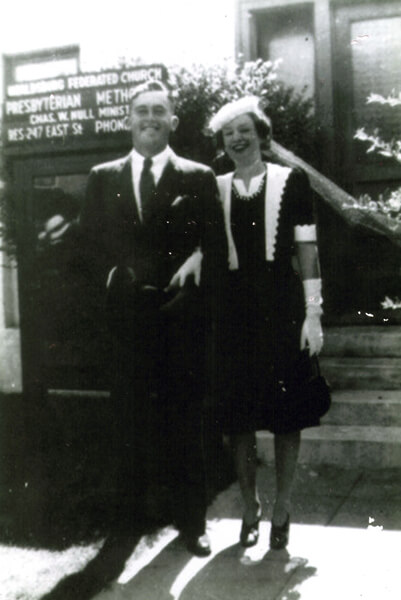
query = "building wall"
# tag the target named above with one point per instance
(10, 356)
(339, 51)
(281, 35)
(267, 28)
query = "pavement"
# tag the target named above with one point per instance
(345, 543)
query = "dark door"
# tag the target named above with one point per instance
(64, 340)
(367, 51)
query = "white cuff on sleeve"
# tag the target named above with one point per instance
(305, 233)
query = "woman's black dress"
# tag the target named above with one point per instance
(264, 309)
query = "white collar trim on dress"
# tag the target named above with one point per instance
(276, 179)
(253, 185)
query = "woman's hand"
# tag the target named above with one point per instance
(312, 334)
(191, 269)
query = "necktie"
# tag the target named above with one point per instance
(147, 189)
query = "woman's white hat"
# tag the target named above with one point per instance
(228, 112)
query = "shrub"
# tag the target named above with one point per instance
(385, 210)
(202, 90)
(388, 204)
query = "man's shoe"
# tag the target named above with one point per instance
(198, 545)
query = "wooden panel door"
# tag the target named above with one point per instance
(367, 59)
(64, 340)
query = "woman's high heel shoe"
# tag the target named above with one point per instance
(279, 535)
(249, 535)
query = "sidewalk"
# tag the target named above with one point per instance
(345, 543)
(337, 547)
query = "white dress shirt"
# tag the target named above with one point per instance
(159, 161)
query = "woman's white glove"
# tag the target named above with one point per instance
(191, 269)
(312, 333)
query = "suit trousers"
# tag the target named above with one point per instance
(159, 387)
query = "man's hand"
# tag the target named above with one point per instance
(54, 230)
(312, 334)
(190, 270)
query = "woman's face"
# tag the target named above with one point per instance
(241, 141)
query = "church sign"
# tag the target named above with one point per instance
(72, 109)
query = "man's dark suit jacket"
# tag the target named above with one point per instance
(188, 215)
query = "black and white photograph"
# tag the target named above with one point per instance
(200, 300)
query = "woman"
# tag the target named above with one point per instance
(273, 307)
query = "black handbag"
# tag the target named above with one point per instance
(303, 400)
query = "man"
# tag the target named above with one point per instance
(145, 219)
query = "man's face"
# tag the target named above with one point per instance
(152, 120)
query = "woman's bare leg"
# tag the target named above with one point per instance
(286, 447)
(245, 458)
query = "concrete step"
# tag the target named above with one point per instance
(362, 372)
(362, 357)
(362, 341)
(365, 407)
(347, 446)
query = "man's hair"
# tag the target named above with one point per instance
(153, 85)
